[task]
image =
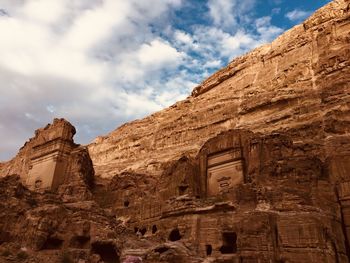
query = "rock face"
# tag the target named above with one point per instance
(252, 167)
(42, 227)
(245, 197)
(50, 154)
(47, 207)
(298, 84)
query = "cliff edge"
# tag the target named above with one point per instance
(298, 84)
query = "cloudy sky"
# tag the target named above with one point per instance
(100, 63)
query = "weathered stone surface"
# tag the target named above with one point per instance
(59, 130)
(51, 158)
(42, 227)
(298, 84)
(252, 167)
(284, 209)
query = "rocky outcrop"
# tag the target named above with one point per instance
(298, 84)
(60, 129)
(47, 210)
(245, 196)
(252, 167)
(51, 159)
(42, 227)
(46, 227)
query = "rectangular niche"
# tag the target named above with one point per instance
(224, 171)
(48, 165)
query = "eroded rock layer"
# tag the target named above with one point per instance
(298, 84)
(246, 197)
(252, 167)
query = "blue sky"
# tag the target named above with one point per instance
(101, 63)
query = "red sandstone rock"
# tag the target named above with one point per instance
(298, 84)
(252, 167)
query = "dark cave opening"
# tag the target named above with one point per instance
(174, 235)
(183, 189)
(143, 231)
(154, 229)
(229, 240)
(4, 237)
(126, 203)
(107, 252)
(209, 249)
(52, 243)
(161, 250)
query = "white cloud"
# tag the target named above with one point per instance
(44, 11)
(297, 15)
(225, 13)
(212, 42)
(232, 45)
(183, 37)
(100, 63)
(212, 64)
(136, 104)
(59, 59)
(157, 54)
(148, 62)
(95, 25)
(221, 11)
(266, 30)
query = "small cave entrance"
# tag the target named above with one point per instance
(126, 203)
(4, 236)
(80, 242)
(154, 229)
(183, 189)
(143, 231)
(107, 252)
(161, 249)
(175, 235)
(52, 243)
(208, 249)
(229, 240)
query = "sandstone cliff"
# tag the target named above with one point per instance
(252, 167)
(298, 84)
(19, 165)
